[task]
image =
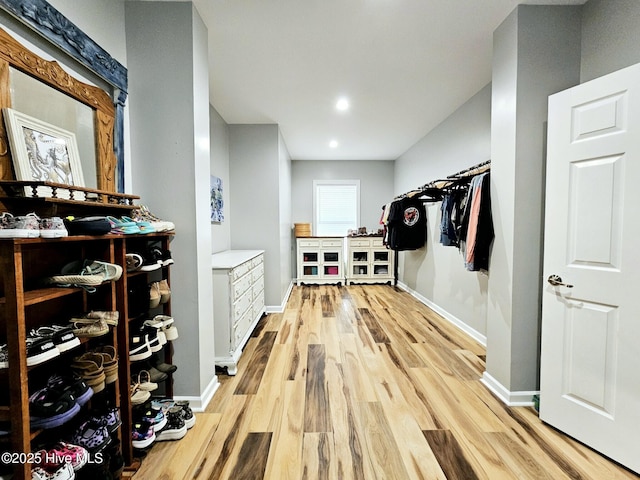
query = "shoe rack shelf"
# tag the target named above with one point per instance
(25, 305)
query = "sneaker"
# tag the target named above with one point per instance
(142, 435)
(53, 228)
(143, 225)
(4, 356)
(175, 429)
(62, 336)
(52, 470)
(142, 213)
(75, 455)
(138, 396)
(146, 413)
(139, 348)
(19, 226)
(122, 226)
(155, 325)
(51, 407)
(74, 384)
(40, 349)
(109, 418)
(149, 262)
(92, 435)
(90, 330)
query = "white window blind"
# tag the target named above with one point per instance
(336, 206)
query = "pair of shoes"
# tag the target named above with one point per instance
(109, 362)
(125, 226)
(51, 407)
(159, 293)
(110, 317)
(139, 347)
(142, 213)
(154, 330)
(84, 329)
(163, 257)
(27, 226)
(186, 412)
(90, 367)
(62, 337)
(39, 350)
(148, 413)
(74, 455)
(92, 434)
(87, 274)
(73, 383)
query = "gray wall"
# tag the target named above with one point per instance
(376, 186)
(259, 180)
(536, 54)
(610, 37)
(436, 272)
(220, 232)
(169, 108)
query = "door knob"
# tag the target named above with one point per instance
(556, 281)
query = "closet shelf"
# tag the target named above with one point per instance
(33, 297)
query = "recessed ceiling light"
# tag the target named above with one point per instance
(333, 144)
(342, 104)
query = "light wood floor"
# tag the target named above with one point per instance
(364, 382)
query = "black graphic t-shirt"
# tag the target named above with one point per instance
(407, 224)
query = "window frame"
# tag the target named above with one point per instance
(324, 183)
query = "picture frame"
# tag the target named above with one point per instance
(42, 152)
(216, 198)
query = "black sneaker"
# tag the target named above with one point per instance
(139, 348)
(62, 336)
(150, 261)
(74, 384)
(40, 349)
(175, 429)
(155, 344)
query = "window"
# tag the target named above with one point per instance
(336, 206)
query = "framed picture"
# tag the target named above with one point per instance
(42, 152)
(217, 204)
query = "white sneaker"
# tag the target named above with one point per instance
(52, 228)
(26, 226)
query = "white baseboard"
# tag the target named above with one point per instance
(280, 308)
(512, 399)
(477, 336)
(199, 404)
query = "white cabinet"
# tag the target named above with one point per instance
(368, 261)
(320, 260)
(238, 302)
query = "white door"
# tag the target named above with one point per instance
(590, 364)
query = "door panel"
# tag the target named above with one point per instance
(590, 388)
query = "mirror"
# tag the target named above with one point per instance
(43, 90)
(43, 102)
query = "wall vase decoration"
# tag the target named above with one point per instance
(217, 204)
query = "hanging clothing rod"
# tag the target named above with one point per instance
(434, 188)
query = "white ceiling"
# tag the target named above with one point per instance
(405, 65)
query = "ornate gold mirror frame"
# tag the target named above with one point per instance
(50, 24)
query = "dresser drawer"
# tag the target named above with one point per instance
(257, 273)
(360, 242)
(240, 286)
(241, 305)
(257, 288)
(376, 242)
(256, 261)
(332, 243)
(240, 329)
(309, 243)
(240, 270)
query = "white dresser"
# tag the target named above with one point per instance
(320, 260)
(238, 302)
(369, 261)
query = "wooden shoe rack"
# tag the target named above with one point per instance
(25, 304)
